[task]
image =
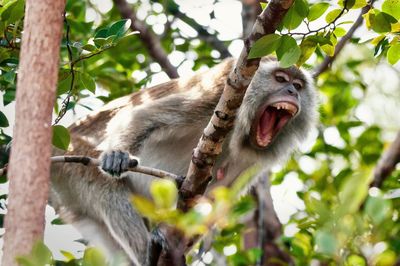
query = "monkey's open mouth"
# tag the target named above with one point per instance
(271, 120)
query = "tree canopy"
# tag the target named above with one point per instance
(346, 209)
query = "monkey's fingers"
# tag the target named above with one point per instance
(116, 162)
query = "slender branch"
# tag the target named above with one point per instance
(65, 102)
(322, 28)
(149, 39)
(203, 34)
(387, 163)
(96, 162)
(340, 45)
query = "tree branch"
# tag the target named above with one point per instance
(203, 34)
(149, 39)
(328, 60)
(250, 11)
(387, 163)
(96, 162)
(210, 144)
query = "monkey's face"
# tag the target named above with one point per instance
(277, 112)
(280, 105)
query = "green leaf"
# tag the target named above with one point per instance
(377, 209)
(339, 32)
(93, 257)
(301, 7)
(39, 256)
(393, 54)
(325, 242)
(61, 137)
(64, 84)
(263, 5)
(321, 40)
(329, 48)
(353, 4)
(89, 47)
(99, 42)
(102, 33)
(164, 193)
(13, 11)
(392, 7)
(301, 245)
(380, 21)
(317, 11)
(292, 18)
(57, 221)
(88, 82)
(332, 15)
(307, 48)
(8, 96)
(355, 260)
(68, 255)
(144, 206)
(265, 46)
(388, 257)
(353, 192)
(119, 28)
(244, 205)
(9, 77)
(288, 52)
(3, 120)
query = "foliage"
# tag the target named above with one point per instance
(385, 22)
(343, 221)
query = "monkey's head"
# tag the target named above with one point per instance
(278, 110)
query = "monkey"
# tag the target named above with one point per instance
(161, 125)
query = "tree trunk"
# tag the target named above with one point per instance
(30, 156)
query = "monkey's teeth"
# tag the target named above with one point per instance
(291, 108)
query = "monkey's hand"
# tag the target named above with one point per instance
(116, 162)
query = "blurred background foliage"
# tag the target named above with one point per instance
(334, 217)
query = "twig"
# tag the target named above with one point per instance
(150, 41)
(323, 28)
(340, 45)
(387, 163)
(65, 102)
(92, 161)
(96, 162)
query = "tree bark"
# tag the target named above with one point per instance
(387, 163)
(29, 167)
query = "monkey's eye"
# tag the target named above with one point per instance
(280, 79)
(298, 86)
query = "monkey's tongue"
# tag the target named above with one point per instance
(271, 121)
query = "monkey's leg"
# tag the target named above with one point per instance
(126, 226)
(98, 235)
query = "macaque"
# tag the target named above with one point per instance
(161, 126)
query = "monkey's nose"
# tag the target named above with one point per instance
(292, 91)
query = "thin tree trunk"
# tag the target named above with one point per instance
(29, 163)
